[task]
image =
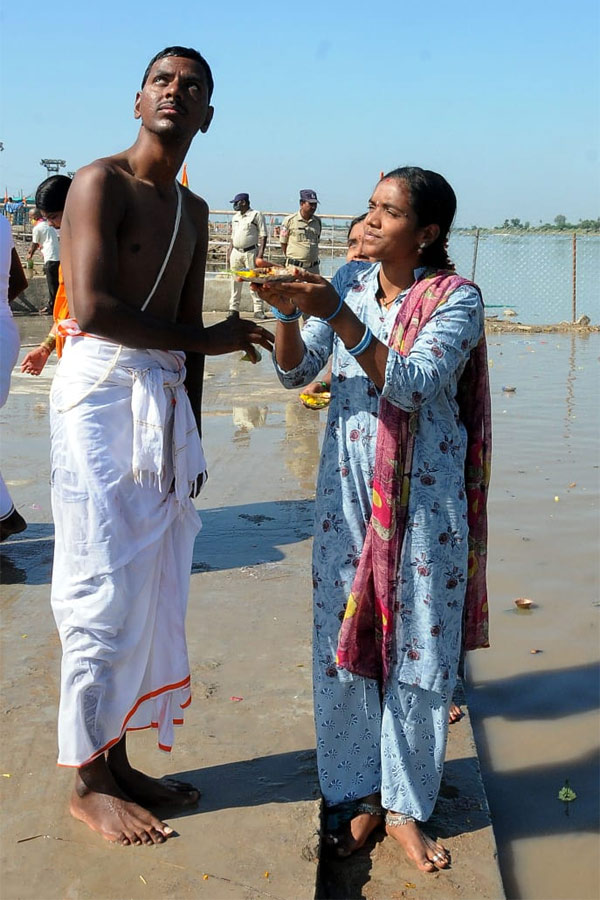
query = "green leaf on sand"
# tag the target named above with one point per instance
(566, 794)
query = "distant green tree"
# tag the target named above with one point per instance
(589, 225)
(560, 223)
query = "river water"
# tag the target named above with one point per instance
(534, 274)
(535, 715)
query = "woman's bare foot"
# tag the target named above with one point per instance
(357, 831)
(426, 853)
(455, 713)
(142, 788)
(98, 801)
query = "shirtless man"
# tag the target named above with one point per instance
(126, 454)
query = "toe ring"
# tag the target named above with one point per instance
(394, 819)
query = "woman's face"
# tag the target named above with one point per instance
(355, 242)
(391, 230)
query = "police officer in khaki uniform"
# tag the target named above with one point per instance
(248, 235)
(300, 234)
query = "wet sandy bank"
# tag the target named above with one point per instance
(249, 637)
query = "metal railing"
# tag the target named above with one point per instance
(543, 276)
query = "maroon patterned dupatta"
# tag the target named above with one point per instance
(366, 641)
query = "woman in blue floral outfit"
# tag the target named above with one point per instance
(381, 746)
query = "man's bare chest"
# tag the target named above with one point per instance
(144, 244)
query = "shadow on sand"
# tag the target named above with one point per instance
(280, 778)
(526, 798)
(236, 536)
(26, 558)
(231, 537)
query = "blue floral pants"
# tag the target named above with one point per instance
(367, 745)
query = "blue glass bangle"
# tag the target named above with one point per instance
(282, 316)
(333, 314)
(362, 344)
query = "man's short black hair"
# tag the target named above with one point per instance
(51, 194)
(185, 53)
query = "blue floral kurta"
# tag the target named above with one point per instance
(434, 555)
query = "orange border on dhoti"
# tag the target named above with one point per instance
(132, 711)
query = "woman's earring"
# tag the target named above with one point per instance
(422, 246)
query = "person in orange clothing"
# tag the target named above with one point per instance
(34, 361)
(50, 199)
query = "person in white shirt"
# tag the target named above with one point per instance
(248, 239)
(45, 237)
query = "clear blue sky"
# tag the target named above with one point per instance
(501, 97)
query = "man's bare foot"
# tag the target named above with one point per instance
(455, 713)
(357, 831)
(426, 853)
(142, 788)
(155, 791)
(98, 801)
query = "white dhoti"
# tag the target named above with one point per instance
(125, 455)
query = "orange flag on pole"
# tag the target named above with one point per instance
(184, 178)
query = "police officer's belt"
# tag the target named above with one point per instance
(246, 249)
(301, 263)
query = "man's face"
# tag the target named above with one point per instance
(241, 206)
(307, 209)
(174, 99)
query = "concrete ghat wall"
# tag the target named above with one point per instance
(216, 295)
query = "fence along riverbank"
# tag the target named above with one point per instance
(543, 276)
